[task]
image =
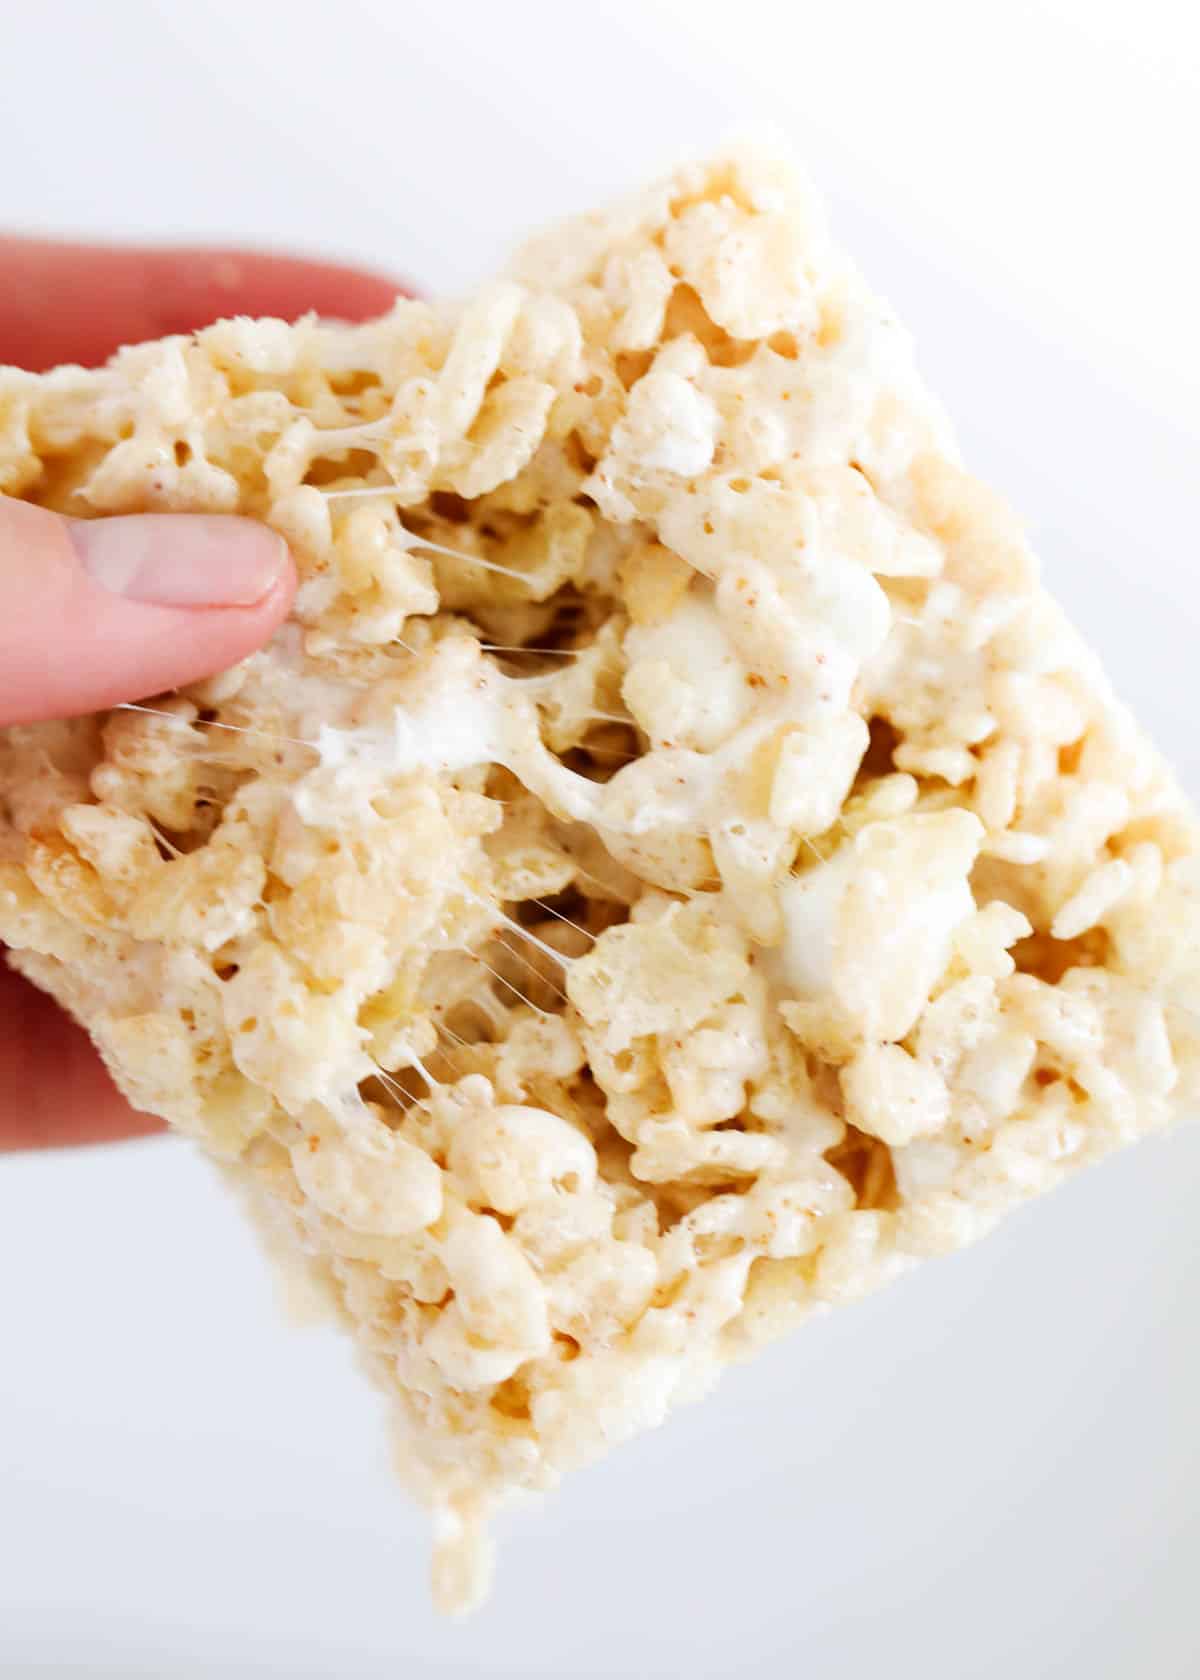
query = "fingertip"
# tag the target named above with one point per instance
(274, 603)
(181, 560)
(96, 612)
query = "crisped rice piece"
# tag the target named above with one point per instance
(676, 868)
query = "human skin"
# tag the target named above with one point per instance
(94, 613)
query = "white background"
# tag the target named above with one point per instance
(989, 1472)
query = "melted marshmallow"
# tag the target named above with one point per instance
(453, 727)
(803, 963)
(889, 902)
(694, 677)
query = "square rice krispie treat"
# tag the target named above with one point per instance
(676, 869)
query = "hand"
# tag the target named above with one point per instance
(93, 612)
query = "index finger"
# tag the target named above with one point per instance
(64, 302)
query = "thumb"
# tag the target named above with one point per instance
(95, 611)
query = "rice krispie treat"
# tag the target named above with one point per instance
(675, 870)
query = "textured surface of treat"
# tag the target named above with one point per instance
(676, 869)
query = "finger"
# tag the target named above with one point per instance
(54, 1089)
(96, 611)
(62, 302)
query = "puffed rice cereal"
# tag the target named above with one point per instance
(676, 868)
